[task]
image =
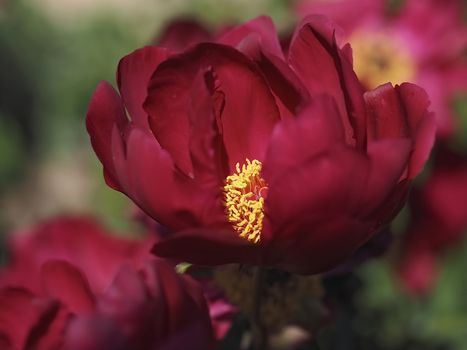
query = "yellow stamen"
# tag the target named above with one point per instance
(245, 193)
(378, 58)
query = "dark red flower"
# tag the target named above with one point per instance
(439, 221)
(80, 241)
(253, 157)
(87, 290)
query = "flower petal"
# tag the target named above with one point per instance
(263, 28)
(66, 283)
(324, 69)
(402, 112)
(105, 113)
(133, 74)
(21, 315)
(208, 247)
(183, 33)
(316, 229)
(317, 128)
(246, 115)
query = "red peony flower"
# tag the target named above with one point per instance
(439, 221)
(422, 41)
(253, 157)
(87, 290)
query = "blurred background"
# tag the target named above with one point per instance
(52, 55)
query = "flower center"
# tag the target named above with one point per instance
(379, 59)
(245, 192)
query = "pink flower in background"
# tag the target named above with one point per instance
(72, 286)
(439, 221)
(424, 42)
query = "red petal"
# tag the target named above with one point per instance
(134, 72)
(317, 128)
(261, 27)
(183, 33)
(22, 315)
(316, 228)
(66, 283)
(344, 188)
(323, 68)
(388, 160)
(289, 91)
(94, 332)
(246, 119)
(402, 112)
(421, 122)
(105, 113)
(208, 247)
(149, 180)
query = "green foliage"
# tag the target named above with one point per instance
(460, 111)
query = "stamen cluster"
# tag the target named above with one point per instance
(244, 200)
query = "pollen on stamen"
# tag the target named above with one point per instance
(245, 193)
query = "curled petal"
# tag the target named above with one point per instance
(263, 28)
(246, 117)
(65, 282)
(106, 113)
(133, 74)
(402, 112)
(315, 56)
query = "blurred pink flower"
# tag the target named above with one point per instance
(424, 42)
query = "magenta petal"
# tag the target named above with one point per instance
(416, 102)
(313, 208)
(207, 149)
(208, 247)
(246, 116)
(22, 313)
(140, 313)
(183, 33)
(134, 72)
(155, 191)
(163, 193)
(388, 160)
(334, 180)
(324, 69)
(93, 332)
(402, 112)
(316, 129)
(263, 28)
(66, 283)
(105, 113)
(291, 94)
(386, 118)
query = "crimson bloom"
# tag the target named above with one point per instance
(422, 41)
(252, 157)
(439, 221)
(83, 289)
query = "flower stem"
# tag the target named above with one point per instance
(258, 330)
